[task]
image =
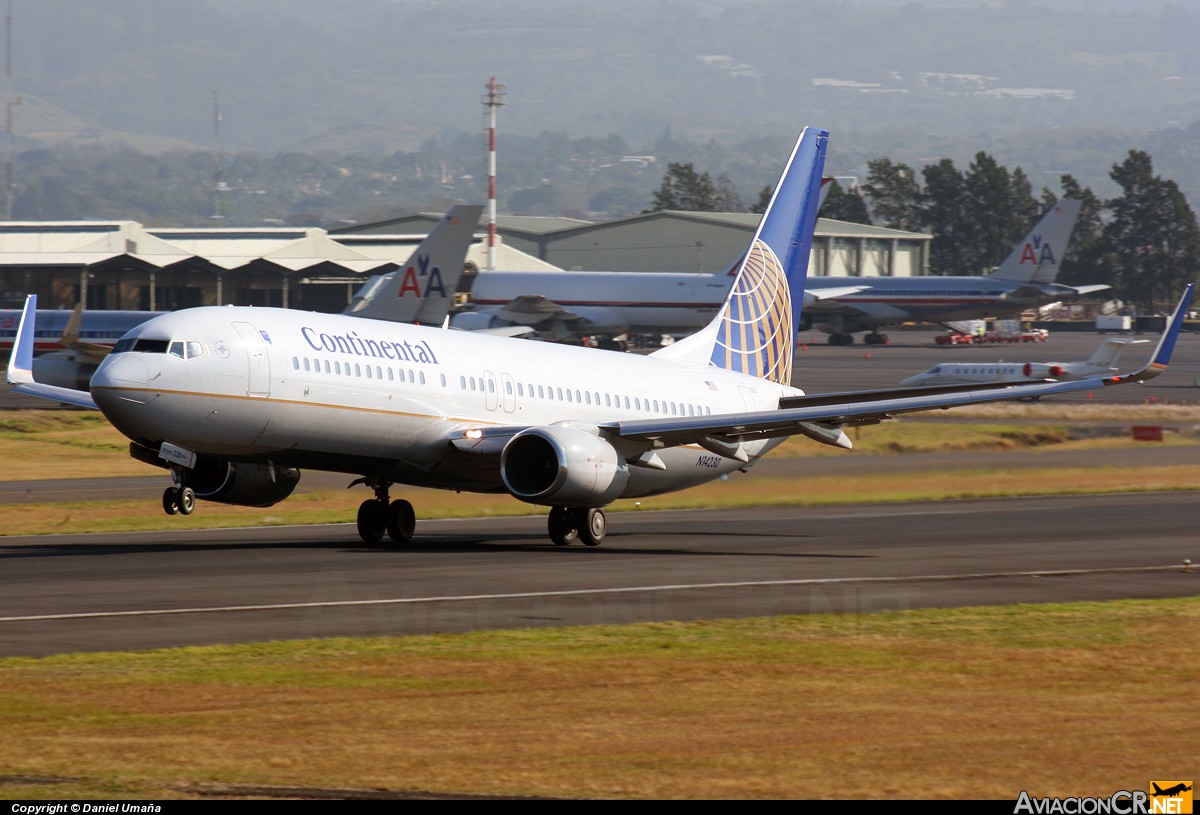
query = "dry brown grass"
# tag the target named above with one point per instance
(979, 703)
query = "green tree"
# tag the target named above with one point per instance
(685, 189)
(895, 195)
(942, 207)
(1083, 263)
(1152, 241)
(845, 205)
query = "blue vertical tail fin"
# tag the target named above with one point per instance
(755, 330)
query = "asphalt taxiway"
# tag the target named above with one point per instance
(145, 590)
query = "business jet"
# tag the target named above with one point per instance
(1025, 280)
(236, 401)
(1103, 361)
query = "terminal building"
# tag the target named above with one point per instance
(126, 265)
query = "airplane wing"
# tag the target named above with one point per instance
(830, 411)
(812, 296)
(20, 365)
(532, 309)
(822, 416)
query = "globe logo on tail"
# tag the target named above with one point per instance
(755, 332)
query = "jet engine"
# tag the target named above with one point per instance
(246, 485)
(62, 371)
(563, 465)
(1032, 369)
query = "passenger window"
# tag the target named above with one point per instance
(326, 366)
(306, 364)
(541, 393)
(295, 360)
(357, 370)
(391, 375)
(491, 386)
(462, 383)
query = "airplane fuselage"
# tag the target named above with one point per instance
(384, 399)
(890, 301)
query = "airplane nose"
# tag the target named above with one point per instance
(121, 371)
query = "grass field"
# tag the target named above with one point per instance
(1061, 700)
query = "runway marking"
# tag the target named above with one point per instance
(817, 581)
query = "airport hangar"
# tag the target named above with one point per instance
(126, 265)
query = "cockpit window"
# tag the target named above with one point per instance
(195, 349)
(176, 349)
(143, 345)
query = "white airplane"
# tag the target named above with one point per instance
(1023, 281)
(235, 401)
(1103, 361)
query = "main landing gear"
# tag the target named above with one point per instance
(379, 515)
(570, 524)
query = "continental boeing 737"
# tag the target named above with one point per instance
(234, 402)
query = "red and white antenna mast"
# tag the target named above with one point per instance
(493, 99)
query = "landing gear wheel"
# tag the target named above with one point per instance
(186, 501)
(875, 338)
(372, 520)
(401, 521)
(592, 526)
(563, 527)
(169, 499)
(841, 339)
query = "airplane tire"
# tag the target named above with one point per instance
(186, 501)
(372, 521)
(401, 521)
(562, 526)
(168, 501)
(593, 525)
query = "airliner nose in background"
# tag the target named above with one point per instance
(235, 402)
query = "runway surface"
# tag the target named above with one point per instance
(132, 591)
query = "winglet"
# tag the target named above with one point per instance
(20, 364)
(1166, 344)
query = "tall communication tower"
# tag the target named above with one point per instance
(10, 101)
(494, 98)
(218, 169)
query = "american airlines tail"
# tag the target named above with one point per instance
(423, 290)
(755, 330)
(1037, 257)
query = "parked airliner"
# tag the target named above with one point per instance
(1025, 280)
(1102, 361)
(235, 401)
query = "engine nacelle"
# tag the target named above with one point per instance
(563, 465)
(246, 485)
(62, 372)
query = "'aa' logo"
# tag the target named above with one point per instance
(411, 282)
(1037, 253)
(1171, 798)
